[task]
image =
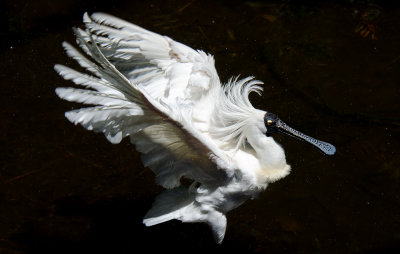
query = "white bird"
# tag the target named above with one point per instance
(169, 100)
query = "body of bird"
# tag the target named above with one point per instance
(169, 100)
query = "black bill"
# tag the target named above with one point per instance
(274, 124)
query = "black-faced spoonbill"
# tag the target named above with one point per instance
(169, 100)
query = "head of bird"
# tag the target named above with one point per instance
(270, 121)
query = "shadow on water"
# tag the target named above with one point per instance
(330, 70)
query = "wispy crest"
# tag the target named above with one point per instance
(235, 112)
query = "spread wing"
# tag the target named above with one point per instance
(128, 63)
(165, 68)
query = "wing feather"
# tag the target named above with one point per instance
(144, 57)
(122, 105)
(86, 80)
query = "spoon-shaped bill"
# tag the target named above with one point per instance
(323, 146)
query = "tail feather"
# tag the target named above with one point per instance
(180, 204)
(160, 219)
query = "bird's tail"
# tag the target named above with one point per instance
(168, 205)
(180, 204)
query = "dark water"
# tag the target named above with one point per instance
(331, 69)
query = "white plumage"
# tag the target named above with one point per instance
(169, 100)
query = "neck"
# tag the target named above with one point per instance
(270, 155)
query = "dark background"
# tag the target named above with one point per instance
(331, 69)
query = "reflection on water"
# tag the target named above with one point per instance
(330, 70)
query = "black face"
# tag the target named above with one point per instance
(270, 121)
(274, 124)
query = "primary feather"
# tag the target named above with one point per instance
(169, 100)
